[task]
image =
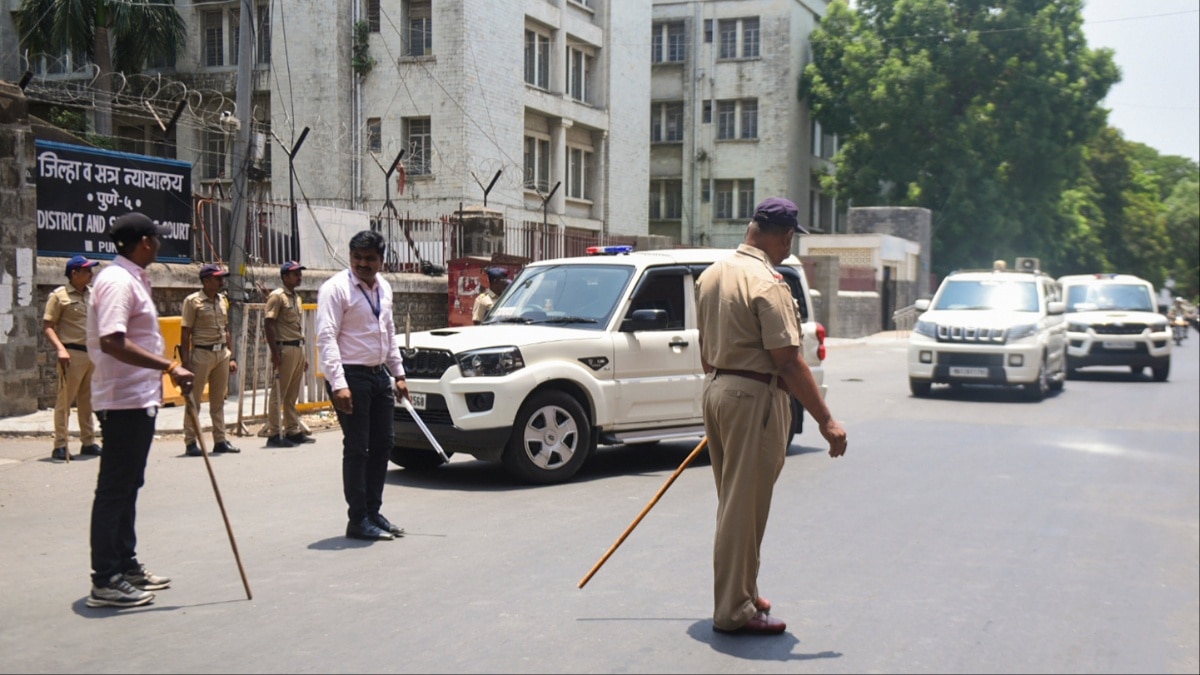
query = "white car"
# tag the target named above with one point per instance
(575, 353)
(998, 326)
(1112, 321)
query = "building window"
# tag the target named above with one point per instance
(579, 65)
(214, 154)
(730, 30)
(708, 30)
(666, 122)
(823, 144)
(537, 164)
(705, 190)
(374, 135)
(537, 59)
(235, 29)
(419, 28)
(418, 135)
(666, 200)
(577, 173)
(737, 119)
(706, 115)
(669, 44)
(373, 16)
(733, 199)
(214, 38)
(263, 45)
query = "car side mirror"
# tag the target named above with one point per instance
(921, 305)
(645, 319)
(1056, 307)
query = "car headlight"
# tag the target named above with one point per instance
(490, 362)
(926, 328)
(1077, 328)
(1020, 332)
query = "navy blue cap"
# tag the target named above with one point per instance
(496, 273)
(291, 266)
(79, 263)
(778, 212)
(211, 270)
(133, 226)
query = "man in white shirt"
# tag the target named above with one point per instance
(127, 347)
(356, 342)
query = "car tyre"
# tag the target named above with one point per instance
(1161, 372)
(551, 439)
(417, 459)
(1039, 388)
(919, 388)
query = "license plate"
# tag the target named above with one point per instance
(1119, 345)
(963, 371)
(418, 400)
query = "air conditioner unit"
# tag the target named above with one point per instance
(1029, 264)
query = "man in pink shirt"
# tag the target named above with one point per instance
(126, 345)
(356, 343)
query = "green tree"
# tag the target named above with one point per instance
(120, 34)
(978, 110)
(1182, 210)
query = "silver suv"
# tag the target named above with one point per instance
(1112, 321)
(990, 327)
(576, 353)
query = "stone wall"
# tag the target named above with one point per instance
(907, 222)
(20, 315)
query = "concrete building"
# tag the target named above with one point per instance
(728, 127)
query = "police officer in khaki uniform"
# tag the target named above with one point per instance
(285, 339)
(750, 349)
(205, 348)
(497, 281)
(65, 325)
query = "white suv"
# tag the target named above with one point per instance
(990, 327)
(577, 352)
(1112, 321)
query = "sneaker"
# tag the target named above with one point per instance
(145, 580)
(193, 450)
(299, 438)
(224, 446)
(279, 441)
(93, 450)
(118, 593)
(60, 454)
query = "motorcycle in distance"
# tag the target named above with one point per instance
(1179, 329)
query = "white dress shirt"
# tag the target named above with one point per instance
(122, 302)
(354, 326)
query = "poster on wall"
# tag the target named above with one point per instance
(81, 190)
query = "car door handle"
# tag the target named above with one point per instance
(677, 343)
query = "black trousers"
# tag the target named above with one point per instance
(367, 436)
(127, 437)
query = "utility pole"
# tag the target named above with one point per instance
(236, 254)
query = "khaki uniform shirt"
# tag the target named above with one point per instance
(284, 307)
(207, 318)
(744, 309)
(483, 305)
(66, 308)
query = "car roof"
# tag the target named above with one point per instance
(681, 256)
(1102, 278)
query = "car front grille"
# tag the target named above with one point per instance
(426, 364)
(992, 336)
(1119, 329)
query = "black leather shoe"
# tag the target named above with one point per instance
(279, 441)
(365, 529)
(386, 525)
(300, 438)
(59, 453)
(192, 450)
(93, 450)
(225, 446)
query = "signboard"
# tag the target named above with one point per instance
(81, 190)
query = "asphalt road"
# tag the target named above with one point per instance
(968, 532)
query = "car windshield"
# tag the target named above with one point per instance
(1109, 297)
(1011, 295)
(583, 296)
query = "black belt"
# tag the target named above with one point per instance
(289, 343)
(760, 377)
(212, 348)
(359, 368)
(78, 348)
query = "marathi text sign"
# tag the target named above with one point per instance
(81, 190)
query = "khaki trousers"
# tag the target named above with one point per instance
(287, 379)
(75, 385)
(747, 423)
(211, 368)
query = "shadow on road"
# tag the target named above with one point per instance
(757, 647)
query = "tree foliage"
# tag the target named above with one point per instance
(978, 110)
